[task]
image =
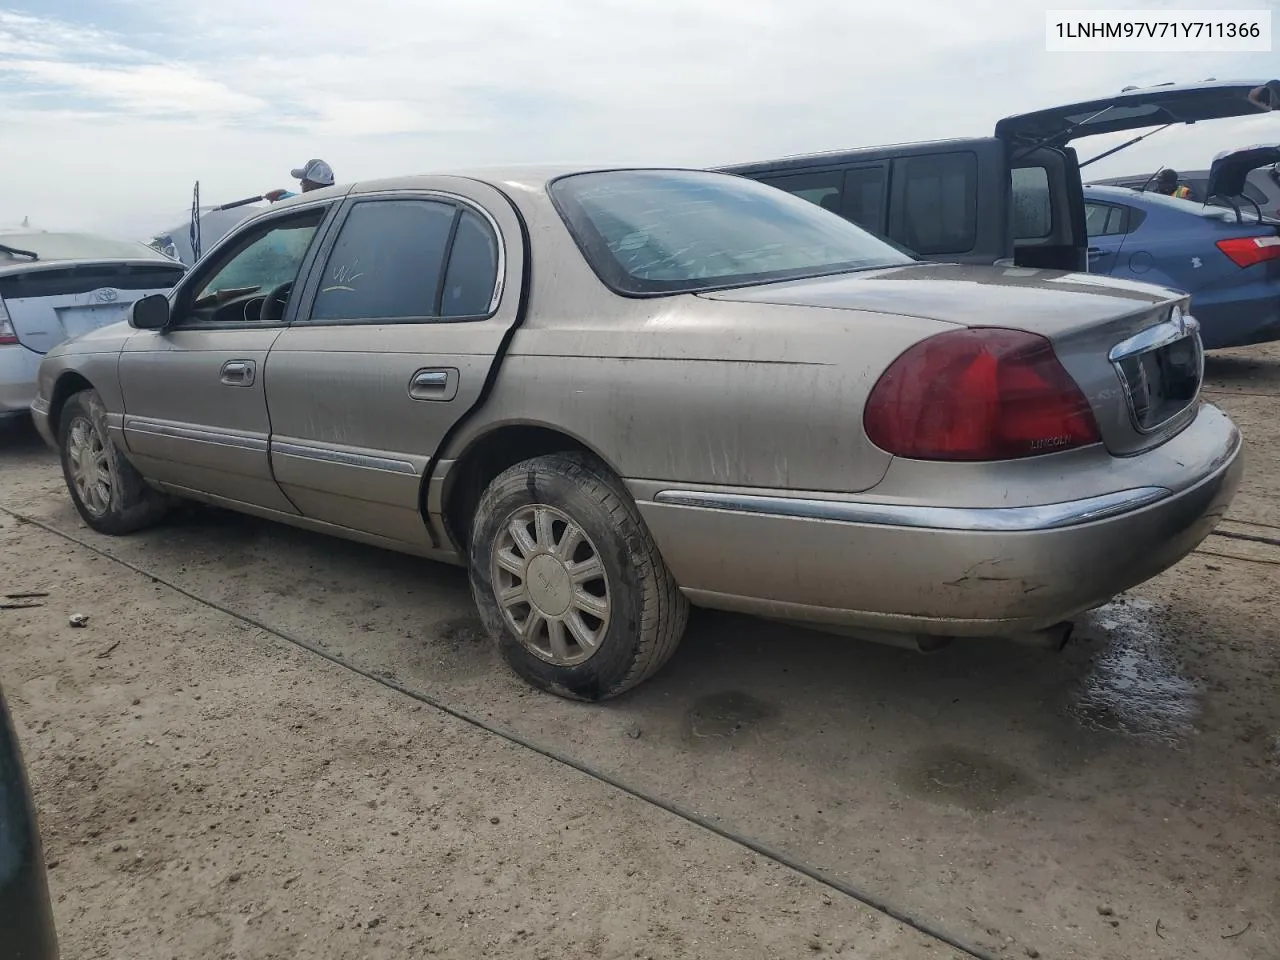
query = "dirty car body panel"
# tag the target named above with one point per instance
(609, 314)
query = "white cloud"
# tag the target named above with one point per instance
(238, 92)
(143, 89)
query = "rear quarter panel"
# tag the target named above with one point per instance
(684, 388)
(709, 393)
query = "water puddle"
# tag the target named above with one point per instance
(1135, 686)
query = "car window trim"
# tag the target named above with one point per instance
(302, 317)
(191, 280)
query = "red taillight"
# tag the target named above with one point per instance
(1246, 251)
(7, 334)
(984, 394)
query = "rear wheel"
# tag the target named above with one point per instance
(569, 581)
(108, 492)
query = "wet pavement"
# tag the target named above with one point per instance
(1119, 799)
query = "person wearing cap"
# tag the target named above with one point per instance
(1167, 183)
(313, 175)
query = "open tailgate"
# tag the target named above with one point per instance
(1147, 107)
(1231, 168)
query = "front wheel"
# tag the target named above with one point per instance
(569, 581)
(107, 490)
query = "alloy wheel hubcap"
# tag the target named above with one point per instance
(551, 585)
(90, 467)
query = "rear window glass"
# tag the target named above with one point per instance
(75, 246)
(1032, 208)
(671, 231)
(1253, 193)
(940, 199)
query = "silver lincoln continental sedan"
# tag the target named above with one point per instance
(615, 393)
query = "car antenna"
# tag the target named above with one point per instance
(1127, 143)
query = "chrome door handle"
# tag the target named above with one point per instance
(431, 380)
(238, 373)
(436, 383)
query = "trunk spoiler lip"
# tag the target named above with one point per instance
(43, 266)
(1138, 108)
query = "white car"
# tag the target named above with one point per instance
(56, 286)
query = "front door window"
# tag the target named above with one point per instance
(252, 282)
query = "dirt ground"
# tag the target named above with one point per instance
(207, 789)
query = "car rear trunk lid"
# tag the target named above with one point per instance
(48, 303)
(1137, 363)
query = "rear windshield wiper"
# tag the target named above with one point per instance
(18, 253)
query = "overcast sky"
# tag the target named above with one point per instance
(110, 110)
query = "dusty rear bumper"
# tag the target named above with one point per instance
(940, 570)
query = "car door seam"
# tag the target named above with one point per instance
(522, 306)
(306, 273)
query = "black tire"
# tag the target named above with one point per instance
(131, 504)
(647, 612)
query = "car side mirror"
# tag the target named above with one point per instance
(150, 313)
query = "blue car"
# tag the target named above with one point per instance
(1227, 259)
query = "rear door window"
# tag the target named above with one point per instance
(472, 275)
(864, 196)
(939, 203)
(1105, 219)
(823, 189)
(387, 262)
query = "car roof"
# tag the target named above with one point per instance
(1112, 190)
(524, 177)
(865, 153)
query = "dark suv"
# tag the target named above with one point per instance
(26, 915)
(1014, 197)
